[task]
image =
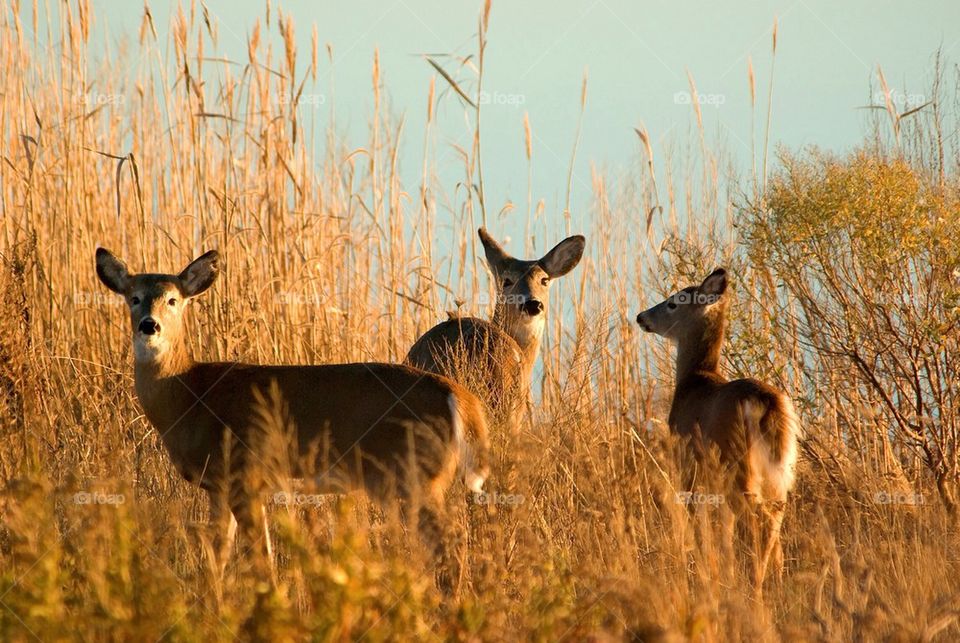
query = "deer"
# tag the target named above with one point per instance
(753, 425)
(387, 429)
(495, 358)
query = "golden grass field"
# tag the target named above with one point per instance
(845, 278)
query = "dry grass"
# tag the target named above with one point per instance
(328, 259)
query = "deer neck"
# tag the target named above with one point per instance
(526, 333)
(161, 383)
(699, 352)
(528, 357)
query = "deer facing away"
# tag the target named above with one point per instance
(495, 358)
(388, 429)
(753, 425)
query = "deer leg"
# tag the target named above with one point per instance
(773, 550)
(750, 529)
(749, 521)
(425, 506)
(432, 527)
(749, 481)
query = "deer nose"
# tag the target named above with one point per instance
(533, 307)
(149, 326)
(642, 323)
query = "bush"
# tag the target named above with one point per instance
(868, 248)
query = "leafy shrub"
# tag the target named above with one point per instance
(868, 248)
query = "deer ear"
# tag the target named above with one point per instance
(495, 254)
(200, 274)
(715, 283)
(563, 257)
(112, 272)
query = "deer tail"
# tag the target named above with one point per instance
(470, 436)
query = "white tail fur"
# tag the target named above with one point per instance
(466, 461)
(773, 465)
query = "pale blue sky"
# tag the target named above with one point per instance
(637, 54)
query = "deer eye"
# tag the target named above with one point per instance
(507, 282)
(545, 281)
(135, 301)
(671, 305)
(172, 301)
